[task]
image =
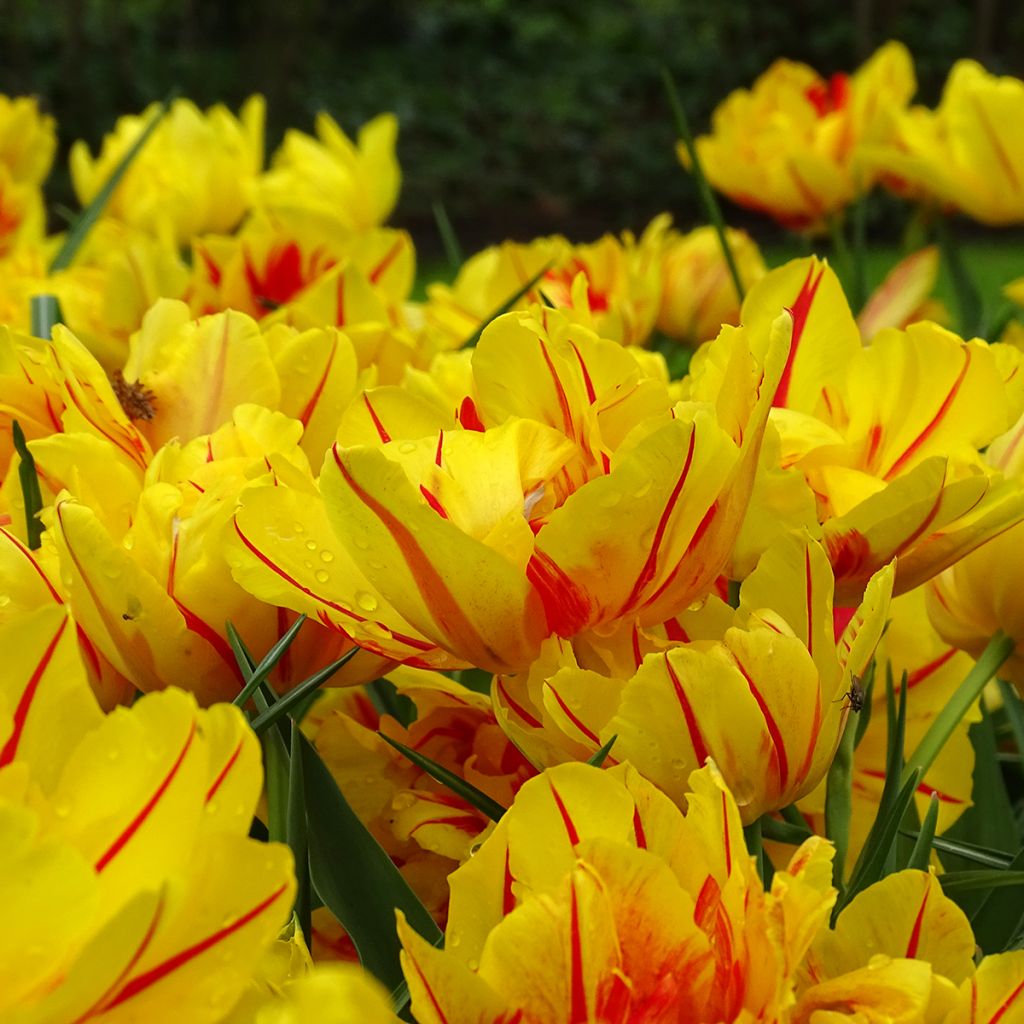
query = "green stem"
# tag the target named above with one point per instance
(707, 197)
(839, 802)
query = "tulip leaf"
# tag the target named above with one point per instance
(276, 762)
(864, 715)
(270, 659)
(920, 856)
(44, 314)
(298, 694)
(784, 832)
(968, 851)
(459, 786)
(91, 214)
(476, 679)
(965, 290)
(995, 921)
(452, 249)
(999, 648)
(599, 756)
(871, 866)
(839, 801)
(1013, 707)
(471, 341)
(954, 883)
(707, 197)
(30, 492)
(355, 877)
(296, 827)
(388, 701)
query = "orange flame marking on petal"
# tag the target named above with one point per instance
(651, 564)
(441, 1016)
(589, 733)
(935, 420)
(638, 829)
(726, 839)
(134, 448)
(925, 789)
(392, 254)
(508, 900)
(433, 502)
(28, 556)
(781, 760)
(566, 605)
(339, 302)
(468, 823)
(812, 742)
(444, 608)
(993, 137)
(224, 772)
(158, 973)
(915, 932)
(675, 632)
(307, 413)
(517, 708)
(419, 645)
(799, 311)
(591, 393)
(1007, 1003)
(849, 553)
(147, 938)
(700, 750)
(381, 432)
(570, 825)
(920, 675)
(563, 402)
(809, 594)
(468, 417)
(10, 748)
(139, 820)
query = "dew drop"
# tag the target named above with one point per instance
(366, 601)
(407, 447)
(642, 490)
(298, 527)
(62, 810)
(307, 563)
(610, 500)
(326, 556)
(322, 575)
(212, 807)
(311, 545)
(360, 542)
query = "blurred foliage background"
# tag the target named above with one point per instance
(524, 117)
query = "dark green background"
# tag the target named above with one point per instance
(522, 117)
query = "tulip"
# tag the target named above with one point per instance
(28, 139)
(791, 146)
(131, 886)
(192, 176)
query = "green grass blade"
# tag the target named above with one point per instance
(920, 856)
(972, 852)
(471, 341)
(955, 883)
(755, 844)
(598, 757)
(458, 785)
(707, 197)
(44, 314)
(91, 214)
(999, 648)
(995, 920)
(355, 877)
(839, 801)
(1014, 708)
(31, 495)
(270, 659)
(784, 832)
(297, 833)
(298, 694)
(450, 241)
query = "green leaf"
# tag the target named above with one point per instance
(864, 715)
(598, 757)
(954, 883)
(30, 492)
(298, 694)
(91, 214)
(476, 679)
(755, 845)
(995, 920)
(1013, 706)
(387, 700)
(999, 648)
(44, 314)
(471, 341)
(270, 659)
(783, 832)
(965, 291)
(458, 785)
(968, 851)
(707, 197)
(297, 833)
(871, 866)
(449, 240)
(839, 801)
(355, 877)
(920, 856)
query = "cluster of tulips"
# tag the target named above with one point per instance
(464, 660)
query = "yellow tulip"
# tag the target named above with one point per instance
(193, 175)
(791, 146)
(346, 187)
(131, 889)
(759, 691)
(22, 218)
(967, 152)
(28, 139)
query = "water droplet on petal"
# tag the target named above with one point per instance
(298, 527)
(642, 490)
(311, 545)
(322, 575)
(407, 448)
(366, 601)
(326, 556)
